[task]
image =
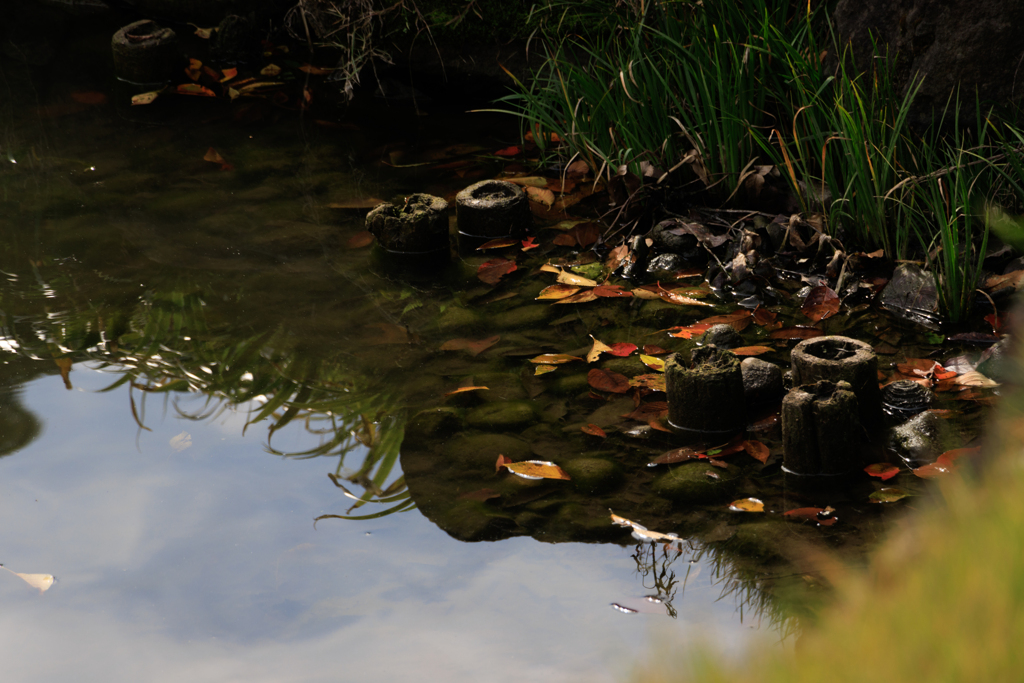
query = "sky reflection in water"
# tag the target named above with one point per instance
(202, 564)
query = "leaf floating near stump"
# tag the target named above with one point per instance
(607, 380)
(882, 470)
(492, 271)
(747, 505)
(554, 358)
(757, 450)
(593, 430)
(823, 516)
(889, 495)
(820, 303)
(532, 469)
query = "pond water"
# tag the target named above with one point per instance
(251, 354)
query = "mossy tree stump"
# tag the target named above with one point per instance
(841, 359)
(706, 397)
(146, 53)
(821, 430)
(420, 226)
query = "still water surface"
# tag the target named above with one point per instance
(185, 550)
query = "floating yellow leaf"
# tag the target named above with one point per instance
(543, 369)
(270, 70)
(567, 278)
(145, 98)
(598, 348)
(653, 363)
(195, 89)
(532, 469)
(747, 505)
(462, 390)
(228, 75)
(554, 358)
(40, 581)
(558, 291)
(579, 298)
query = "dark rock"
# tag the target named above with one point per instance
(666, 239)
(695, 483)
(911, 294)
(503, 415)
(762, 381)
(665, 266)
(997, 361)
(593, 475)
(722, 336)
(970, 44)
(919, 440)
(905, 398)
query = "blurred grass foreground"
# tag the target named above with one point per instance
(943, 598)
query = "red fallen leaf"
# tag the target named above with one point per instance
(822, 516)
(195, 89)
(616, 256)
(495, 269)
(361, 239)
(89, 97)
(763, 317)
(796, 333)
(593, 430)
(992, 319)
(933, 470)
(820, 303)
(502, 461)
(646, 411)
(578, 167)
(756, 450)
(499, 243)
(228, 75)
(676, 455)
(480, 496)
(751, 350)
(949, 458)
(656, 423)
(882, 470)
(621, 349)
(508, 151)
(611, 291)
(607, 380)
(529, 243)
(475, 347)
(652, 350)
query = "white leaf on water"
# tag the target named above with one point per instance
(181, 441)
(40, 581)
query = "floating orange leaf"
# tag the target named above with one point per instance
(949, 458)
(676, 455)
(652, 350)
(882, 470)
(228, 75)
(194, 69)
(145, 98)
(593, 430)
(933, 470)
(796, 333)
(612, 291)
(747, 505)
(474, 347)
(543, 369)
(823, 516)
(541, 195)
(751, 350)
(463, 390)
(554, 358)
(508, 152)
(499, 243)
(363, 238)
(529, 243)
(214, 157)
(532, 469)
(492, 271)
(607, 380)
(195, 89)
(756, 450)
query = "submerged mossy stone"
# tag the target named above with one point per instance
(502, 415)
(759, 537)
(455, 318)
(434, 423)
(593, 475)
(998, 362)
(567, 384)
(695, 483)
(473, 521)
(708, 396)
(519, 317)
(484, 449)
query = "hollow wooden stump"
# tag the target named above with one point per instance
(708, 396)
(841, 359)
(491, 209)
(146, 53)
(821, 430)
